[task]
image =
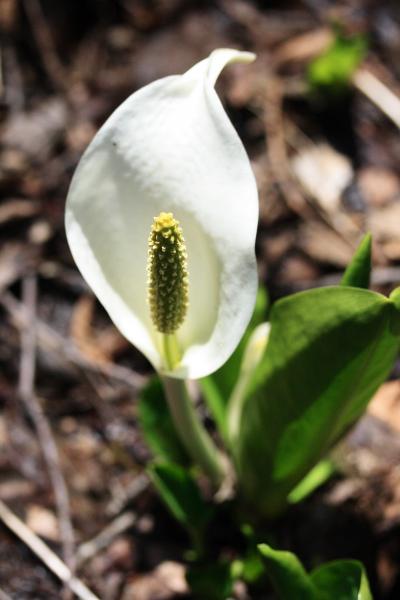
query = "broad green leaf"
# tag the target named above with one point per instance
(157, 426)
(288, 576)
(329, 350)
(337, 580)
(332, 70)
(358, 272)
(182, 496)
(342, 580)
(313, 480)
(217, 387)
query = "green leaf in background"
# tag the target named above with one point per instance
(217, 387)
(211, 581)
(181, 494)
(329, 350)
(216, 403)
(331, 71)
(250, 567)
(337, 580)
(157, 425)
(313, 480)
(358, 273)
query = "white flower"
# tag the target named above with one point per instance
(170, 147)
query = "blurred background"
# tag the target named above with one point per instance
(319, 114)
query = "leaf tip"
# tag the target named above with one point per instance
(358, 271)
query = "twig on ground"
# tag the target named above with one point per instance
(4, 596)
(12, 84)
(379, 276)
(42, 551)
(280, 166)
(15, 261)
(385, 275)
(137, 486)
(49, 339)
(45, 44)
(103, 539)
(374, 89)
(42, 426)
(276, 147)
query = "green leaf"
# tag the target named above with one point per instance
(252, 356)
(218, 387)
(332, 70)
(216, 402)
(313, 480)
(337, 580)
(182, 496)
(342, 580)
(328, 352)
(157, 426)
(250, 567)
(358, 273)
(288, 576)
(212, 581)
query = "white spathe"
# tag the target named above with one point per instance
(170, 147)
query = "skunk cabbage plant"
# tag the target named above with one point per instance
(161, 220)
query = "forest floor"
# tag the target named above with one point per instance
(72, 460)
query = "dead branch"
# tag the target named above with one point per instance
(42, 426)
(276, 147)
(45, 44)
(380, 276)
(137, 486)
(51, 340)
(379, 94)
(103, 539)
(42, 551)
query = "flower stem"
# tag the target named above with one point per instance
(171, 350)
(193, 435)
